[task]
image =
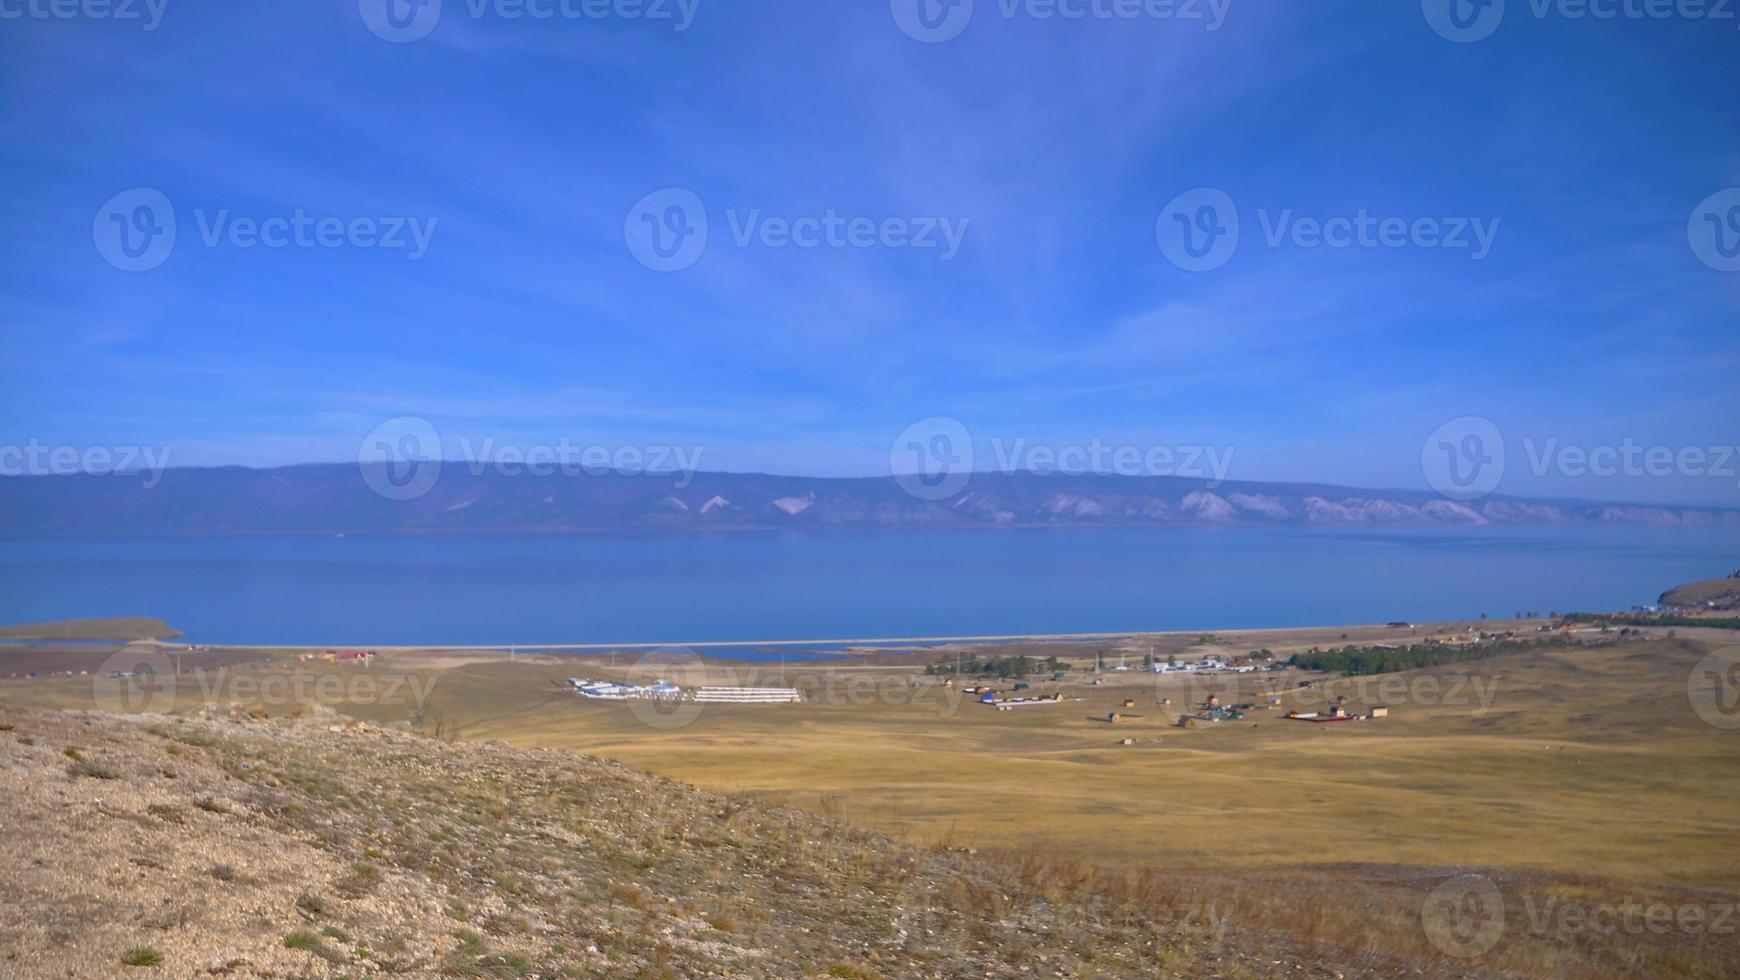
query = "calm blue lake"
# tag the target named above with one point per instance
(746, 586)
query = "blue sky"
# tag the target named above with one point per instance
(1056, 144)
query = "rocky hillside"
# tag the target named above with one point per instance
(178, 848)
(330, 499)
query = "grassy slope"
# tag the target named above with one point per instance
(214, 845)
(1587, 774)
(1697, 593)
(113, 628)
(1602, 740)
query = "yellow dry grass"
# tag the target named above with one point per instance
(1586, 760)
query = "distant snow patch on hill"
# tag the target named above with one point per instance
(796, 505)
(1206, 506)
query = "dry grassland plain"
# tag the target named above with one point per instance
(1576, 781)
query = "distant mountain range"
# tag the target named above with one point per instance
(335, 498)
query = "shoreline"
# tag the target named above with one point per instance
(852, 642)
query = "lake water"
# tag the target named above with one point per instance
(747, 586)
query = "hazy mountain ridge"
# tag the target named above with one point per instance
(334, 498)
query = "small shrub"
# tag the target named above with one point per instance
(362, 879)
(164, 811)
(302, 940)
(334, 932)
(91, 770)
(141, 956)
(311, 905)
(628, 895)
